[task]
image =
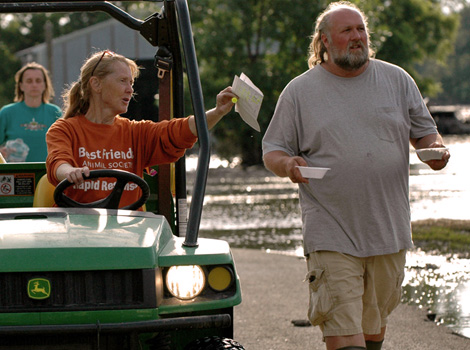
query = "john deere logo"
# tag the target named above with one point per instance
(39, 288)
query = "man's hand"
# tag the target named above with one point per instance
(283, 165)
(293, 172)
(438, 164)
(432, 141)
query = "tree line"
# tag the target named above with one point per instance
(268, 41)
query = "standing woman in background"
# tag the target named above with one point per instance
(24, 123)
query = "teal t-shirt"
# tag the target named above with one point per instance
(18, 121)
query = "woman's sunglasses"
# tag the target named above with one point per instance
(104, 53)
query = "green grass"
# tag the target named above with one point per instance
(449, 237)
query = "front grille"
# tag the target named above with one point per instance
(80, 290)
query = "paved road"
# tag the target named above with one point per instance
(274, 295)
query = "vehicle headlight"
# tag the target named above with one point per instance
(220, 278)
(185, 282)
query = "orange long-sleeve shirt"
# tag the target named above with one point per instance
(126, 145)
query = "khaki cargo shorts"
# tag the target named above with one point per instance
(351, 295)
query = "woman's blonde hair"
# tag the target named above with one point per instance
(317, 50)
(48, 93)
(77, 97)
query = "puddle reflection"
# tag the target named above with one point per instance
(442, 286)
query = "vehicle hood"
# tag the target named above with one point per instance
(76, 239)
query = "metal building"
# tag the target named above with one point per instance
(63, 56)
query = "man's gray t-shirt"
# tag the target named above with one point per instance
(360, 128)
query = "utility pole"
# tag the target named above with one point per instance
(48, 36)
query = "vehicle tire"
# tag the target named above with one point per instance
(215, 343)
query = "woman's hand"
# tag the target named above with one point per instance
(72, 174)
(224, 104)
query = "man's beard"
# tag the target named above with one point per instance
(350, 61)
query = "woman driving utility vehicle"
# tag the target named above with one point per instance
(92, 134)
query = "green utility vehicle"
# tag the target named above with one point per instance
(103, 277)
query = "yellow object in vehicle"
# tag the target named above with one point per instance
(44, 193)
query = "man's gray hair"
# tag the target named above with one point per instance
(317, 50)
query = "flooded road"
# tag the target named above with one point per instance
(254, 209)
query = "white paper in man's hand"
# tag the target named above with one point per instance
(249, 100)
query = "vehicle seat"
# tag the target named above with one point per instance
(44, 193)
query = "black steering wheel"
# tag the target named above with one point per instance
(112, 200)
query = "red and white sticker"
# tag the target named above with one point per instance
(17, 184)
